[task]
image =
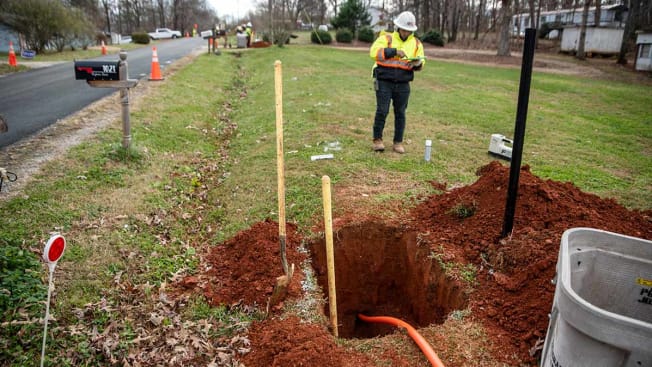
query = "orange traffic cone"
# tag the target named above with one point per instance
(12, 55)
(156, 68)
(103, 48)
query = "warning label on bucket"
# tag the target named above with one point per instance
(646, 296)
(646, 293)
(644, 282)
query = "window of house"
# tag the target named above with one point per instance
(645, 51)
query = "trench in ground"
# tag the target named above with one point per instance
(381, 270)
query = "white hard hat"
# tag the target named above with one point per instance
(407, 21)
(249, 24)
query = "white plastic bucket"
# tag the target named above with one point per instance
(602, 310)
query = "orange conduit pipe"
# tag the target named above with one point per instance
(412, 332)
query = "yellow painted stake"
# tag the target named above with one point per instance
(330, 258)
(280, 167)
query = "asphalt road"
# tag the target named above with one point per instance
(35, 99)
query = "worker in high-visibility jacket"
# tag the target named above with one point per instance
(398, 55)
(249, 31)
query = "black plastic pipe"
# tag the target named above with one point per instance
(519, 130)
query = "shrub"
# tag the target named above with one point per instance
(320, 37)
(344, 35)
(140, 38)
(366, 34)
(433, 37)
(282, 37)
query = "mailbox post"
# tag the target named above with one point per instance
(124, 101)
(110, 74)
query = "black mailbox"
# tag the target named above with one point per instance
(97, 70)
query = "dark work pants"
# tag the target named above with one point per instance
(398, 94)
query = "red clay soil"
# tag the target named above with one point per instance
(243, 270)
(281, 343)
(514, 293)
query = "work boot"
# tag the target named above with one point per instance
(398, 148)
(378, 145)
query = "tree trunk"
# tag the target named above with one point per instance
(478, 18)
(504, 28)
(270, 9)
(161, 14)
(425, 20)
(437, 15)
(517, 11)
(334, 5)
(597, 15)
(630, 29)
(533, 18)
(107, 12)
(581, 43)
(444, 19)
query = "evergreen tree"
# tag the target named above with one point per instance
(353, 15)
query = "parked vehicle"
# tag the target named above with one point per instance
(164, 33)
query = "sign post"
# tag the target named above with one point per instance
(51, 254)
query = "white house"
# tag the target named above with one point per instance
(643, 60)
(598, 40)
(380, 19)
(611, 16)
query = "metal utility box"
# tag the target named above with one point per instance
(602, 310)
(498, 147)
(97, 70)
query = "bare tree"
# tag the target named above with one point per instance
(455, 21)
(504, 29)
(107, 6)
(161, 11)
(334, 4)
(478, 19)
(531, 8)
(630, 28)
(444, 16)
(426, 18)
(581, 43)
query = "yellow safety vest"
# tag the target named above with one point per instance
(388, 65)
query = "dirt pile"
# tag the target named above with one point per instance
(243, 270)
(290, 342)
(512, 293)
(515, 293)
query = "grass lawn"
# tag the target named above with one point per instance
(203, 166)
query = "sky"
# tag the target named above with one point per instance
(233, 8)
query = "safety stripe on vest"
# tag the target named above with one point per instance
(394, 63)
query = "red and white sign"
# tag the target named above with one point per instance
(54, 249)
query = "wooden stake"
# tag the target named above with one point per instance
(330, 258)
(280, 165)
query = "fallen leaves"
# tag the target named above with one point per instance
(147, 328)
